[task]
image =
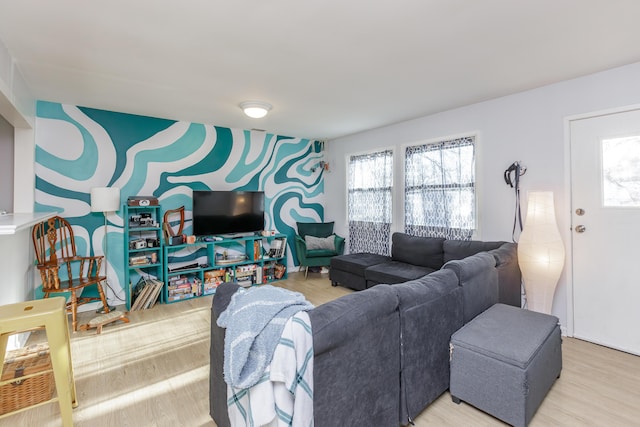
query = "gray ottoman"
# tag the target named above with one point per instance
(348, 270)
(504, 362)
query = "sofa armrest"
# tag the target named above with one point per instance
(509, 275)
(217, 385)
(301, 249)
(478, 276)
(339, 245)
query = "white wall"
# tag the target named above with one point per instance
(6, 166)
(17, 107)
(529, 126)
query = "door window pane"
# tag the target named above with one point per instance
(621, 171)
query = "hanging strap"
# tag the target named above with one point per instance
(518, 170)
(517, 217)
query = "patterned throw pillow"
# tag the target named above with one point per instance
(328, 243)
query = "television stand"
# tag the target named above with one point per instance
(237, 235)
(252, 260)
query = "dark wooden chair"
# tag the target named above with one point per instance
(62, 270)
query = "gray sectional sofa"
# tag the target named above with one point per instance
(413, 257)
(381, 355)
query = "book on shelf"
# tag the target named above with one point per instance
(148, 294)
(280, 270)
(278, 246)
(153, 297)
(179, 297)
(138, 260)
(259, 272)
(257, 249)
(182, 287)
(137, 303)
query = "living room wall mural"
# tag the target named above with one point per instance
(79, 148)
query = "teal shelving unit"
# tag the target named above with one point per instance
(143, 261)
(194, 270)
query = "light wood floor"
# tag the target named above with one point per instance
(154, 372)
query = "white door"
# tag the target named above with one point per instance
(605, 180)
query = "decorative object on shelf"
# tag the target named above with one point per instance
(322, 165)
(173, 237)
(540, 252)
(142, 201)
(231, 260)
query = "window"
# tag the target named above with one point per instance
(621, 171)
(370, 183)
(440, 189)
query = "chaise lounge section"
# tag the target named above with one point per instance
(413, 257)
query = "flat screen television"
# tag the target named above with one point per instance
(227, 212)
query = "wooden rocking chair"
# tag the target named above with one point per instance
(55, 247)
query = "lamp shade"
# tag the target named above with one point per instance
(105, 199)
(540, 252)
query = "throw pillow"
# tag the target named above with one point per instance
(328, 243)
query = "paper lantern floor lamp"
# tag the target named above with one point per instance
(540, 252)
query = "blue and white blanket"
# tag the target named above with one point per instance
(283, 397)
(254, 320)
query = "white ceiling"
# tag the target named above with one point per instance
(329, 67)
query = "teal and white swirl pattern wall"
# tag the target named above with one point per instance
(79, 148)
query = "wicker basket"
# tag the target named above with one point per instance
(23, 393)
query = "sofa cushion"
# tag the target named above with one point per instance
(358, 262)
(459, 249)
(316, 229)
(420, 251)
(327, 243)
(321, 253)
(394, 272)
(478, 276)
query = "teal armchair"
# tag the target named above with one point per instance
(314, 245)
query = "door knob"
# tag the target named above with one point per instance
(580, 228)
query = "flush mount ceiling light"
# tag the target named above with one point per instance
(255, 109)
